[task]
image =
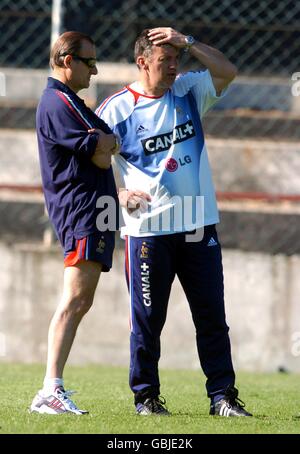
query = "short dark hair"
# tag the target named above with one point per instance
(143, 45)
(67, 43)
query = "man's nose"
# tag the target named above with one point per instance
(94, 70)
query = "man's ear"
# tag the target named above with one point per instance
(67, 61)
(142, 62)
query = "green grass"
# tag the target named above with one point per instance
(273, 398)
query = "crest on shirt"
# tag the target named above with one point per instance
(179, 110)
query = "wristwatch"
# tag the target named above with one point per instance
(189, 41)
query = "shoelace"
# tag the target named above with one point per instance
(64, 395)
(158, 403)
(231, 395)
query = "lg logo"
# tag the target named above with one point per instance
(172, 165)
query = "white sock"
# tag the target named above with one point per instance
(50, 385)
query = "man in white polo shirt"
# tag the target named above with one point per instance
(170, 211)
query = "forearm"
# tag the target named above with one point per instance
(106, 146)
(219, 66)
(102, 159)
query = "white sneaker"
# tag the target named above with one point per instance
(55, 404)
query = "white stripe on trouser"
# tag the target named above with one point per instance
(130, 285)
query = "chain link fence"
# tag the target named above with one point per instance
(25, 33)
(260, 37)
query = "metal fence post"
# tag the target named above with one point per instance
(56, 20)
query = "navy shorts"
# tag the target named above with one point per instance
(98, 247)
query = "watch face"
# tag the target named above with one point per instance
(189, 40)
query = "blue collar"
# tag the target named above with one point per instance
(58, 85)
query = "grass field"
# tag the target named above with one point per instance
(274, 399)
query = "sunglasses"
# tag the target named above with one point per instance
(89, 62)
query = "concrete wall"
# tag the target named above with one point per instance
(253, 93)
(238, 165)
(262, 291)
(262, 303)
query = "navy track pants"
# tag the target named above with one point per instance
(151, 265)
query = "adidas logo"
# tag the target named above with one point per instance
(212, 242)
(141, 128)
(225, 410)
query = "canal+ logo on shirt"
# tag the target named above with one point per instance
(163, 142)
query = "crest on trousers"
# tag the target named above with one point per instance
(144, 251)
(101, 246)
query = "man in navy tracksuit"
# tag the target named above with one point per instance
(75, 149)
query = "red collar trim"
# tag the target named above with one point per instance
(137, 95)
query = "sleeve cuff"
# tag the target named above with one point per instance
(92, 144)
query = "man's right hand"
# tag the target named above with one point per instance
(133, 200)
(106, 147)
